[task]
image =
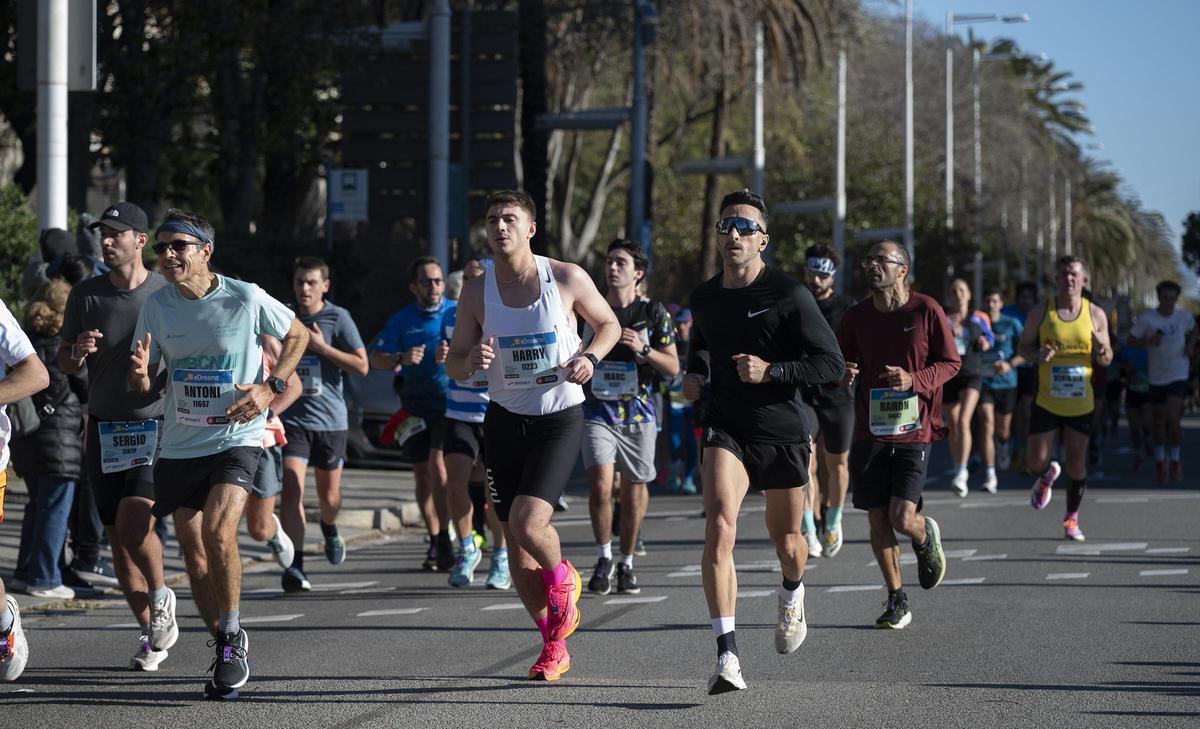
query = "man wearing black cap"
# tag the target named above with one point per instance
(123, 426)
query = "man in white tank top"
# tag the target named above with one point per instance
(517, 324)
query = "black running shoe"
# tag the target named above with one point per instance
(626, 580)
(431, 558)
(445, 554)
(931, 562)
(294, 580)
(601, 582)
(231, 667)
(639, 547)
(895, 612)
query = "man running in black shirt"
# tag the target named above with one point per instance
(765, 339)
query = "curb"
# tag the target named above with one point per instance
(382, 518)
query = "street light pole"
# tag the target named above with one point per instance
(839, 212)
(977, 200)
(909, 243)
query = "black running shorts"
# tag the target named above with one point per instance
(1004, 401)
(1160, 393)
(1042, 420)
(834, 422)
(1026, 381)
(530, 455)
(880, 472)
(110, 488)
(323, 449)
(184, 483)
(463, 438)
(952, 389)
(419, 447)
(769, 465)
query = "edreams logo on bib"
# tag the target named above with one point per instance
(204, 378)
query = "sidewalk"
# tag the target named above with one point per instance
(372, 501)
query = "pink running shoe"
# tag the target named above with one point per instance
(552, 663)
(562, 615)
(1071, 530)
(1039, 496)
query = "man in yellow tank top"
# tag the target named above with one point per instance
(1065, 336)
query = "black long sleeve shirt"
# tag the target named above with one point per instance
(776, 319)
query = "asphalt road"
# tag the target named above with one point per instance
(1027, 630)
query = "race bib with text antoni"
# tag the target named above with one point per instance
(1068, 382)
(615, 381)
(309, 372)
(529, 360)
(892, 412)
(201, 396)
(127, 444)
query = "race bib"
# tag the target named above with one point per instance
(1068, 382)
(529, 360)
(201, 397)
(309, 372)
(960, 342)
(127, 444)
(615, 381)
(892, 412)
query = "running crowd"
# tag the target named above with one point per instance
(207, 400)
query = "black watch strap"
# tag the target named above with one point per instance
(277, 385)
(592, 358)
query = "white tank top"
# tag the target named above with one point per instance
(531, 343)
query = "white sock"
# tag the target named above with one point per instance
(627, 560)
(991, 472)
(1175, 453)
(789, 597)
(960, 469)
(721, 626)
(605, 550)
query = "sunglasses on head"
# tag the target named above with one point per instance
(743, 226)
(179, 246)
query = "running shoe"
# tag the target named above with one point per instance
(833, 542)
(627, 581)
(791, 627)
(562, 504)
(639, 547)
(59, 592)
(959, 483)
(688, 487)
(728, 676)
(231, 666)
(281, 545)
(602, 574)
(814, 544)
(335, 549)
(146, 658)
(498, 576)
(562, 615)
(552, 663)
(1043, 488)
(14, 649)
(164, 630)
(445, 553)
(431, 557)
(294, 580)
(17, 584)
(99, 573)
(1003, 456)
(1175, 475)
(895, 612)
(990, 483)
(931, 561)
(463, 573)
(1071, 530)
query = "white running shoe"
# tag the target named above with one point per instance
(989, 483)
(62, 592)
(959, 484)
(833, 542)
(14, 649)
(814, 545)
(146, 658)
(728, 676)
(791, 627)
(281, 546)
(164, 630)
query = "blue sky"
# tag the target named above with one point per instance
(1138, 62)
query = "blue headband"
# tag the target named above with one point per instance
(182, 226)
(821, 265)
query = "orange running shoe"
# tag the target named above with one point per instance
(562, 615)
(552, 664)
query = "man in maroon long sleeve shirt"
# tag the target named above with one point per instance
(899, 352)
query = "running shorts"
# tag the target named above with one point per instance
(323, 449)
(530, 455)
(1160, 393)
(952, 389)
(628, 447)
(184, 483)
(1042, 420)
(1004, 401)
(418, 448)
(463, 438)
(110, 488)
(880, 472)
(268, 479)
(769, 465)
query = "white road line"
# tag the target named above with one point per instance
(991, 504)
(910, 558)
(269, 619)
(1092, 547)
(330, 587)
(398, 611)
(367, 591)
(121, 626)
(1169, 550)
(1161, 573)
(854, 588)
(1068, 575)
(985, 557)
(504, 606)
(964, 581)
(634, 600)
(758, 593)
(688, 573)
(1123, 500)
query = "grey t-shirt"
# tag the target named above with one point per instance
(96, 303)
(322, 407)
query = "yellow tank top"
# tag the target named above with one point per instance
(1065, 384)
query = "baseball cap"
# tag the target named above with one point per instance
(124, 216)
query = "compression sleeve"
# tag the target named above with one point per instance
(821, 360)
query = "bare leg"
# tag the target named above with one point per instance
(259, 524)
(222, 514)
(987, 429)
(437, 476)
(785, 509)
(533, 546)
(187, 531)
(837, 470)
(329, 493)
(600, 479)
(424, 493)
(458, 475)
(140, 553)
(291, 503)
(725, 486)
(635, 498)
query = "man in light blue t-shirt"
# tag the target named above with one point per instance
(204, 330)
(316, 425)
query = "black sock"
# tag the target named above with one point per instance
(726, 642)
(897, 595)
(1075, 494)
(791, 585)
(443, 538)
(328, 530)
(477, 491)
(298, 562)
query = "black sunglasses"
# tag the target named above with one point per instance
(743, 226)
(179, 246)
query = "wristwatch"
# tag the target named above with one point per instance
(591, 358)
(277, 385)
(775, 372)
(645, 350)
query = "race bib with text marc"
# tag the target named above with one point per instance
(615, 381)
(127, 444)
(1068, 382)
(892, 412)
(529, 360)
(309, 372)
(201, 396)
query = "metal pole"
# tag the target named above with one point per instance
(439, 132)
(908, 136)
(839, 214)
(328, 208)
(52, 114)
(949, 124)
(464, 125)
(1069, 249)
(637, 134)
(977, 199)
(760, 150)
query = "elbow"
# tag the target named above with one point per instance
(362, 367)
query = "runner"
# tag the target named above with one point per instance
(1134, 363)
(203, 329)
(517, 324)
(833, 408)
(408, 344)
(21, 375)
(1169, 336)
(899, 353)
(998, 398)
(466, 406)
(766, 341)
(620, 414)
(316, 425)
(1026, 299)
(972, 337)
(1065, 336)
(123, 427)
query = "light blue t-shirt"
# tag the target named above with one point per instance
(207, 346)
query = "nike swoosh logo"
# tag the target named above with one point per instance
(241, 480)
(909, 329)
(752, 314)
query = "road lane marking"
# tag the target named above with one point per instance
(1092, 547)
(964, 581)
(907, 558)
(504, 606)
(689, 573)
(1068, 575)
(397, 611)
(1161, 573)
(1169, 550)
(985, 557)
(330, 587)
(367, 591)
(1123, 500)
(634, 600)
(758, 593)
(269, 619)
(854, 588)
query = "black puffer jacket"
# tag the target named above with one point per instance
(55, 448)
